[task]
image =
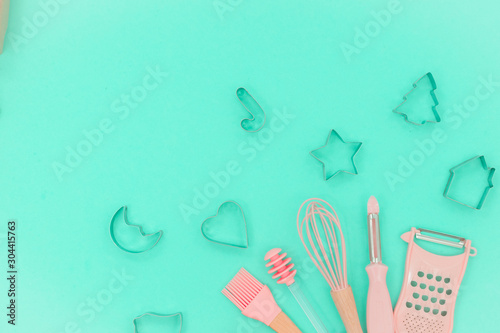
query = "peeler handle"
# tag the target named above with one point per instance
(379, 315)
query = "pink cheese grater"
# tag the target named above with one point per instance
(431, 283)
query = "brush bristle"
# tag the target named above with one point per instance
(242, 289)
(373, 207)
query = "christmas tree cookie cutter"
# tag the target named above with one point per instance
(123, 209)
(337, 136)
(152, 314)
(486, 190)
(433, 96)
(211, 218)
(255, 110)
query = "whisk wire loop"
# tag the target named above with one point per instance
(325, 255)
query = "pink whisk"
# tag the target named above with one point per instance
(324, 235)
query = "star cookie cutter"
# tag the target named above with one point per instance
(335, 134)
(434, 98)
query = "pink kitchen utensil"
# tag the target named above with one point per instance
(379, 318)
(431, 283)
(256, 301)
(321, 234)
(282, 270)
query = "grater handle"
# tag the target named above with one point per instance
(379, 316)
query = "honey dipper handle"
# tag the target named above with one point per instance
(344, 301)
(283, 324)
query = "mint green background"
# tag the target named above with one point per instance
(65, 78)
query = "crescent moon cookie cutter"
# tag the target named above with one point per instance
(152, 314)
(143, 234)
(255, 110)
(433, 96)
(225, 243)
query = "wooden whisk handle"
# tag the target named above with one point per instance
(344, 301)
(283, 324)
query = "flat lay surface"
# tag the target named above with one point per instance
(105, 104)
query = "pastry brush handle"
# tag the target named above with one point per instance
(283, 324)
(344, 301)
(307, 308)
(379, 317)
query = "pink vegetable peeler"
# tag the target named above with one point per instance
(379, 318)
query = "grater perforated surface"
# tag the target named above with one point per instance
(427, 300)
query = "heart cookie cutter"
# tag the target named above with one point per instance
(221, 207)
(243, 95)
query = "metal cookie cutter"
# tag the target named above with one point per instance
(253, 108)
(486, 190)
(434, 98)
(159, 316)
(337, 136)
(157, 234)
(221, 207)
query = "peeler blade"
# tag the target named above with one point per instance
(419, 235)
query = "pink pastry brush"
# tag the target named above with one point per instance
(379, 317)
(256, 301)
